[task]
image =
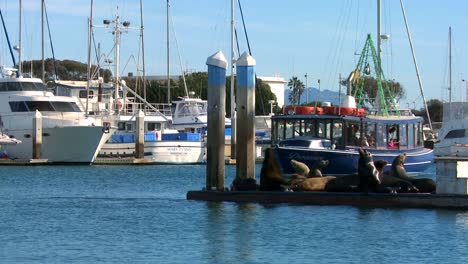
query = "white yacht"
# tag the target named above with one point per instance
(163, 143)
(68, 136)
(453, 135)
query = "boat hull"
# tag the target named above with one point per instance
(343, 162)
(75, 144)
(161, 152)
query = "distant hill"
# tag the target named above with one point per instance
(313, 94)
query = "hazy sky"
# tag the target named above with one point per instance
(287, 38)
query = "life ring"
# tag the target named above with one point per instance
(303, 110)
(346, 111)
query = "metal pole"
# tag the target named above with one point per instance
(306, 90)
(167, 36)
(416, 64)
(20, 68)
(233, 97)
(450, 65)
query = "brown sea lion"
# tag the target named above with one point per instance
(392, 184)
(270, 174)
(313, 184)
(300, 168)
(424, 185)
(316, 170)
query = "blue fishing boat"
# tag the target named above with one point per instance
(368, 117)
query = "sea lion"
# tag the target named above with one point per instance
(248, 184)
(300, 168)
(424, 185)
(392, 184)
(313, 184)
(368, 174)
(270, 174)
(316, 170)
(347, 183)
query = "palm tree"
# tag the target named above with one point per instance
(297, 88)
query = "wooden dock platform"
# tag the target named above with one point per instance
(23, 162)
(409, 200)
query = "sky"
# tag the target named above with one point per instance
(319, 38)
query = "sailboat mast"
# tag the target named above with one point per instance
(167, 37)
(42, 42)
(450, 65)
(379, 40)
(233, 98)
(88, 70)
(20, 68)
(416, 64)
(142, 50)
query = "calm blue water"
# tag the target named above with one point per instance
(140, 214)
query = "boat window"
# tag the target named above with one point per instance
(419, 134)
(403, 133)
(392, 135)
(309, 128)
(65, 107)
(411, 135)
(121, 126)
(324, 128)
(456, 133)
(369, 136)
(154, 126)
(32, 86)
(129, 127)
(18, 106)
(41, 106)
(381, 136)
(352, 133)
(338, 139)
(83, 94)
(13, 86)
(3, 87)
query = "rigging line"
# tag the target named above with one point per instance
(51, 44)
(8, 41)
(356, 35)
(178, 53)
(245, 29)
(333, 48)
(339, 59)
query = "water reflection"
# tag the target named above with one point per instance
(461, 219)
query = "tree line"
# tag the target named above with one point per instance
(156, 90)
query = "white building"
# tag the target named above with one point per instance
(277, 85)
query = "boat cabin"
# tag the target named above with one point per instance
(344, 132)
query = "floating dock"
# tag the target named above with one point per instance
(22, 162)
(382, 200)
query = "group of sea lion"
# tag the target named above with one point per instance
(369, 178)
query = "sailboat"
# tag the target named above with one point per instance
(335, 133)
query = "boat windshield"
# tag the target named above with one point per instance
(50, 106)
(191, 109)
(21, 86)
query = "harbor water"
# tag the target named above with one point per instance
(139, 214)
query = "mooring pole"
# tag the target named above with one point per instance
(245, 93)
(37, 136)
(217, 65)
(140, 135)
